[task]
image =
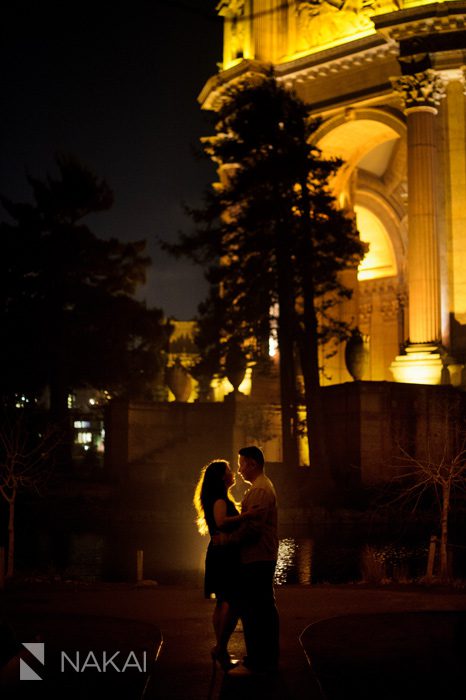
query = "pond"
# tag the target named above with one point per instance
(175, 554)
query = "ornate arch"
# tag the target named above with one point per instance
(371, 143)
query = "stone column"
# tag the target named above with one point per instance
(421, 93)
(455, 121)
(270, 30)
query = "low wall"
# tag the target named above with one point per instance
(164, 441)
(373, 426)
(368, 427)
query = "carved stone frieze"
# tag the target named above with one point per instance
(231, 8)
(322, 22)
(385, 295)
(380, 286)
(390, 308)
(365, 313)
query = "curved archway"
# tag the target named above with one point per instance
(372, 182)
(380, 260)
(361, 138)
(371, 143)
(382, 118)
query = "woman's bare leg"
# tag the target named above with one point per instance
(225, 621)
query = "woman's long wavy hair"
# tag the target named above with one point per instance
(210, 487)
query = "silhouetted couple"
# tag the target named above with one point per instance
(241, 559)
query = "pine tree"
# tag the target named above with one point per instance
(67, 309)
(274, 239)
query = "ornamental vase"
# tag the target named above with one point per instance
(356, 355)
(179, 381)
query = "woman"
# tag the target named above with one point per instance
(216, 512)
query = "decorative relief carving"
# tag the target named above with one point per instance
(424, 89)
(365, 313)
(389, 309)
(384, 297)
(234, 13)
(230, 8)
(382, 285)
(322, 22)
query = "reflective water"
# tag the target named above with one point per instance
(175, 554)
(325, 560)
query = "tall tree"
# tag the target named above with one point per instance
(67, 308)
(275, 239)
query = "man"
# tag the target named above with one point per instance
(257, 538)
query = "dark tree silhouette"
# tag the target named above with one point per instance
(274, 239)
(67, 310)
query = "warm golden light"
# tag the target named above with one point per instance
(380, 260)
(420, 365)
(303, 444)
(221, 387)
(273, 339)
(348, 61)
(274, 32)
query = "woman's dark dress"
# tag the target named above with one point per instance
(221, 564)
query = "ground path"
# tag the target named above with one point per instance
(183, 669)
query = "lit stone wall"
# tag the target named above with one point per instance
(455, 129)
(383, 77)
(371, 425)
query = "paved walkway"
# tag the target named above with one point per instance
(181, 616)
(390, 655)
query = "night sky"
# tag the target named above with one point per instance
(116, 85)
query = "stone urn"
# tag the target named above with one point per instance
(179, 381)
(356, 355)
(235, 366)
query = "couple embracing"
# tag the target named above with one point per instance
(241, 559)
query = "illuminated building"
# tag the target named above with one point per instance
(388, 80)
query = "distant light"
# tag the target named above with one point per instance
(84, 438)
(82, 424)
(21, 401)
(273, 346)
(273, 337)
(92, 402)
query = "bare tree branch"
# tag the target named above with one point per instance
(26, 463)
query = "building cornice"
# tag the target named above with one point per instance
(422, 19)
(391, 30)
(350, 56)
(213, 90)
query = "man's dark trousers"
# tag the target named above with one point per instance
(259, 615)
